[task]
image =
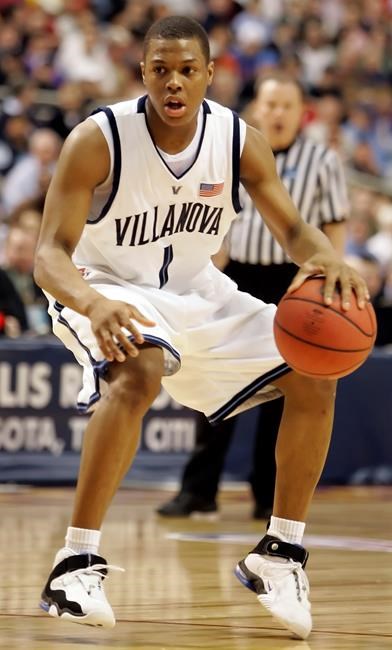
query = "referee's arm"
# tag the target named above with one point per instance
(333, 201)
(259, 177)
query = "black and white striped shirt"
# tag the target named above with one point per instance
(314, 177)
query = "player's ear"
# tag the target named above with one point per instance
(142, 68)
(210, 73)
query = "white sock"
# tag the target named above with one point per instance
(289, 530)
(83, 540)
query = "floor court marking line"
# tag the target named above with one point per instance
(218, 626)
(341, 543)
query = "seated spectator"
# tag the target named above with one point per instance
(28, 217)
(359, 229)
(363, 159)
(371, 270)
(13, 319)
(14, 138)
(327, 119)
(83, 57)
(30, 176)
(62, 117)
(316, 53)
(226, 87)
(380, 244)
(19, 262)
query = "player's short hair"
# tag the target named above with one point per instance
(178, 27)
(280, 76)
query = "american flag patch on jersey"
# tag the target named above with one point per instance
(211, 189)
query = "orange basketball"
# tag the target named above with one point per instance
(320, 340)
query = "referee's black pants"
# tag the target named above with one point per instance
(204, 468)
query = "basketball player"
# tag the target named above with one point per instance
(143, 195)
(314, 178)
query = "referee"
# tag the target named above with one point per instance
(314, 177)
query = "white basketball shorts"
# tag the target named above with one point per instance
(219, 350)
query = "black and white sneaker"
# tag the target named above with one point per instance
(274, 570)
(74, 590)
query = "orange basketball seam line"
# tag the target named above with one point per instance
(317, 345)
(314, 302)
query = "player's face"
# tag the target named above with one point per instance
(278, 112)
(176, 75)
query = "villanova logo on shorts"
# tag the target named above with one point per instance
(151, 225)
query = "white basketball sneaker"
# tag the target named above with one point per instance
(74, 590)
(274, 571)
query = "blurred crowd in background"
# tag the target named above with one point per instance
(59, 59)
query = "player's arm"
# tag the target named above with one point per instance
(221, 258)
(336, 232)
(305, 244)
(83, 164)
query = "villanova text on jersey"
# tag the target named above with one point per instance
(149, 226)
(171, 222)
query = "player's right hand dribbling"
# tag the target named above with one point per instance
(108, 318)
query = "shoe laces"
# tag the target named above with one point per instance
(93, 570)
(278, 571)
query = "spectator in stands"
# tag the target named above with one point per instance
(70, 109)
(28, 217)
(380, 244)
(388, 286)
(14, 140)
(83, 57)
(316, 53)
(359, 229)
(30, 176)
(369, 267)
(11, 64)
(220, 11)
(13, 319)
(326, 125)
(19, 262)
(227, 85)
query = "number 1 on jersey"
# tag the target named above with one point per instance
(167, 258)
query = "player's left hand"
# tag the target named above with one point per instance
(336, 272)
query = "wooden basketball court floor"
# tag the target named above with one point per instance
(179, 592)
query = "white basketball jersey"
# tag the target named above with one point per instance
(154, 228)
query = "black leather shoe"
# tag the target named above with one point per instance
(187, 505)
(262, 512)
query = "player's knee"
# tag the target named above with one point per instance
(310, 391)
(137, 382)
(323, 390)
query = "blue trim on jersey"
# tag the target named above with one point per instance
(248, 392)
(167, 259)
(116, 163)
(236, 164)
(141, 104)
(150, 338)
(94, 397)
(59, 308)
(141, 108)
(83, 407)
(102, 366)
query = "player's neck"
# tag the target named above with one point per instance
(171, 139)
